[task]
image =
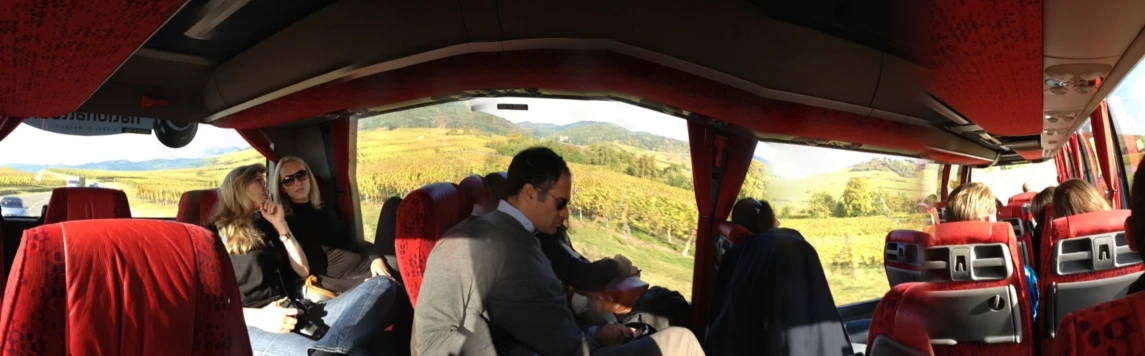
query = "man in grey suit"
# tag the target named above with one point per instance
(488, 288)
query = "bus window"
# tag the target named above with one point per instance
(631, 167)
(844, 203)
(1127, 111)
(153, 176)
(1089, 150)
(1007, 181)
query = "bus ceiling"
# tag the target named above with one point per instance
(907, 80)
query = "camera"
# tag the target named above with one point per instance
(310, 323)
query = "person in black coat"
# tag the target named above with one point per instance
(334, 253)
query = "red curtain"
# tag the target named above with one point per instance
(1060, 163)
(1103, 142)
(8, 124)
(259, 142)
(1079, 166)
(719, 165)
(343, 146)
(945, 182)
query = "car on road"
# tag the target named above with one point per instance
(12, 206)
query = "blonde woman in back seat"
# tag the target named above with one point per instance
(975, 202)
(268, 263)
(340, 262)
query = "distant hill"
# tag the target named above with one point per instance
(122, 165)
(454, 115)
(903, 168)
(590, 132)
(148, 165)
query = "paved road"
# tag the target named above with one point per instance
(34, 202)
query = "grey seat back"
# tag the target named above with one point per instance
(989, 315)
(1097, 264)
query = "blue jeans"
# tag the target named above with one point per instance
(354, 318)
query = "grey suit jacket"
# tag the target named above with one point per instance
(488, 288)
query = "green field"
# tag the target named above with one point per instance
(797, 192)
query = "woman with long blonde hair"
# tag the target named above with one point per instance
(330, 245)
(269, 261)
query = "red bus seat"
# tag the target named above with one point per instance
(122, 287)
(898, 324)
(980, 296)
(498, 186)
(728, 234)
(69, 204)
(423, 216)
(1115, 327)
(1019, 218)
(902, 257)
(477, 194)
(935, 217)
(195, 206)
(1086, 261)
(1022, 198)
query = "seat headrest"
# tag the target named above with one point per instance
(498, 185)
(1012, 211)
(1021, 198)
(1098, 222)
(477, 195)
(733, 232)
(69, 204)
(195, 206)
(908, 236)
(423, 216)
(132, 286)
(901, 317)
(970, 232)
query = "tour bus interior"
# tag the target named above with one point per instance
(854, 118)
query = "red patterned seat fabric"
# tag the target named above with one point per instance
(733, 232)
(477, 194)
(900, 317)
(1089, 224)
(1016, 215)
(69, 204)
(1113, 328)
(902, 255)
(122, 287)
(984, 233)
(423, 216)
(195, 206)
(1022, 198)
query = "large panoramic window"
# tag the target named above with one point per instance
(632, 176)
(44, 154)
(1127, 109)
(844, 203)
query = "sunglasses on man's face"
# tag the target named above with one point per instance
(561, 202)
(300, 176)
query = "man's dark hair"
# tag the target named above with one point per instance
(1137, 208)
(538, 166)
(766, 216)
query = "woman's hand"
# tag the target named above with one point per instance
(378, 268)
(272, 212)
(275, 319)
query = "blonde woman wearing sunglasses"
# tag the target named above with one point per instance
(335, 256)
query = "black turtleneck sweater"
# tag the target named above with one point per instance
(329, 246)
